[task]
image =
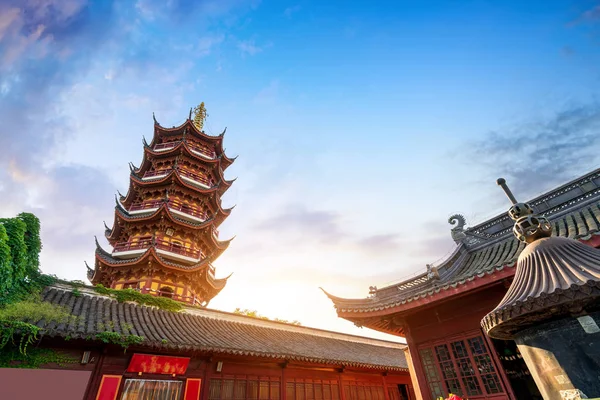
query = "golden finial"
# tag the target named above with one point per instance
(528, 225)
(199, 116)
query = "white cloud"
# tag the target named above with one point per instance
(207, 43)
(291, 10)
(249, 47)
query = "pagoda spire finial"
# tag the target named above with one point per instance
(529, 226)
(200, 116)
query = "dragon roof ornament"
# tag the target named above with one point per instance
(460, 235)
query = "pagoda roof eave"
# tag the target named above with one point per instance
(162, 210)
(188, 123)
(107, 259)
(168, 178)
(182, 148)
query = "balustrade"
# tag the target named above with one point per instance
(159, 243)
(165, 146)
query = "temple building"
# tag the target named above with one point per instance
(440, 310)
(164, 239)
(165, 233)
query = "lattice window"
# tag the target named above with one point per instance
(431, 373)
(485, 365)
(463, 367)
(243, 388)
(312, 389)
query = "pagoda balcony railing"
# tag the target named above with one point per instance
(187, 211)
(195, 178)
(158, 174)
(165, 146)
(181, 209)
(170, 249)
(166, 248)
(145, 207)
(202, 151)
(198, 150)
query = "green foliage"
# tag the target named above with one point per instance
(34, 310)
(19, 256)
(15, 228)
(123, 295)
(117, 338)
(35, 358)
(32, 241)
(255, 314)
(10, 330)
(17, 320)
(5, 263)
(164, 341)
(24, 289)
(75, 292)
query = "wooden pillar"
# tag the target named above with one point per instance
(415, 368)
(386, 395)
(283, 385)
(341, 385)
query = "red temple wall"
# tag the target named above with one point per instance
(106, 372)
(455, 315)
(47, 384)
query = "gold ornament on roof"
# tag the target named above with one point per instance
(529, 226)
(200, 116)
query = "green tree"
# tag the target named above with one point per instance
(15, 228)
(32, 241)
(6, 272)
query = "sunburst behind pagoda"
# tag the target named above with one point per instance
(165, 233)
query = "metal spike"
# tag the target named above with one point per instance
(502, 183)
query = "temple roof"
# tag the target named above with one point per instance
(490, 248)
(217, 332)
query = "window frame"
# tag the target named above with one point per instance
(464, 337)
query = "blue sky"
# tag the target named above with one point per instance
(360, 126)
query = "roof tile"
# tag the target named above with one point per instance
(212, 332)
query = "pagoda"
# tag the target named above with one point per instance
(165, 234)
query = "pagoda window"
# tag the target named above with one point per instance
(144, 240)
(166, 291)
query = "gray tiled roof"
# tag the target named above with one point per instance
(573, 209)
(218, 332)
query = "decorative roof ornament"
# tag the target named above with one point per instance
(200, 116)
(432, 273)
(154, 118)
(458, 231)
(555, 275)
(529, 226)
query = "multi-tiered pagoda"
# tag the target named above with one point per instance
(165, 233)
